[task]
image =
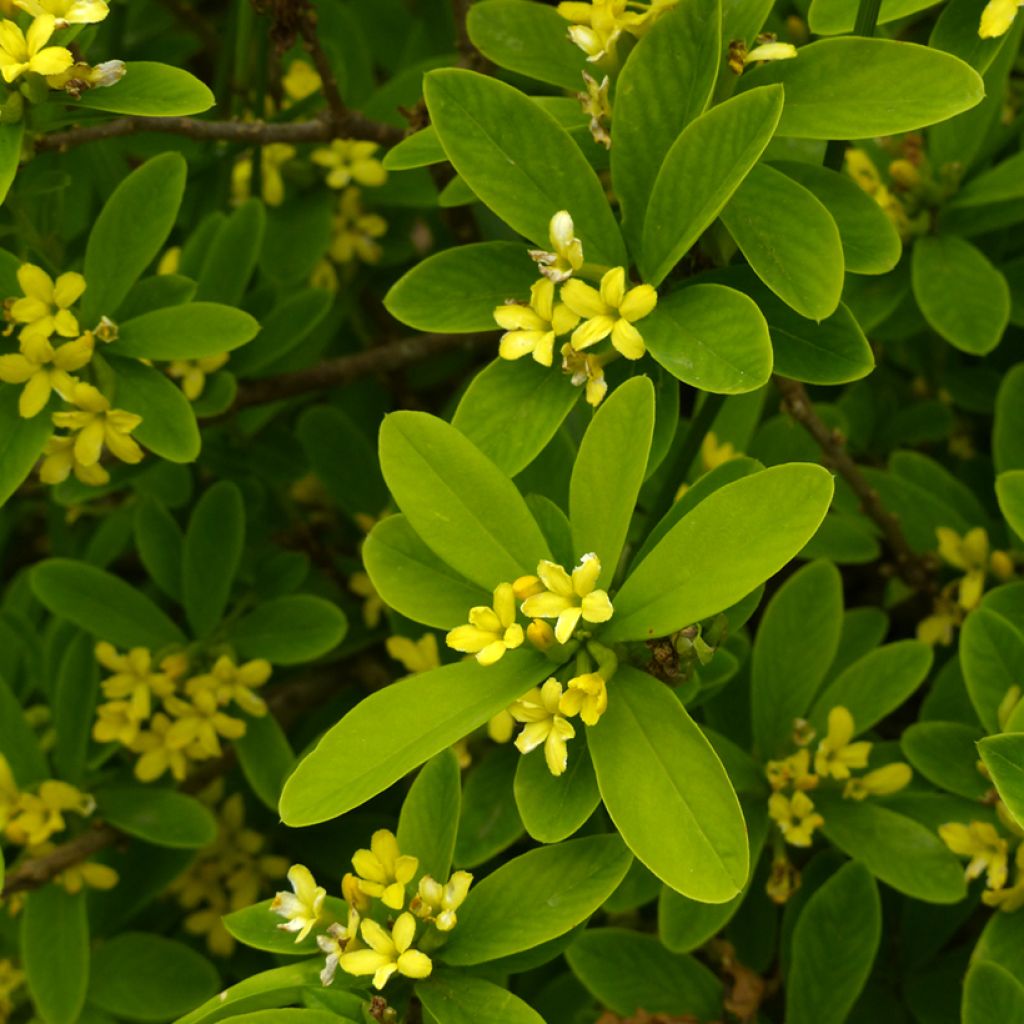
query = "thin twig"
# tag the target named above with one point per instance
(912, 569)
(337, 111)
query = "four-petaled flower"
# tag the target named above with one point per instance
(490, 631)
(586, 696)
(44, 369)
(544, 723)
(193, 372)
(27, 51)
(438, 903)
(566, 255)
(95, 424)
(568, 599)
(836, 755)
(383, 870)
(230, 682)
(303, 907)
(46, 306)
(532, 329)
(349, 160)
(611, 311)
(387, 953)
(134, 679)
(795, 816)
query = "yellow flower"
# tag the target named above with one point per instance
(193, 372)
(795, 816)
(134, 679)
(585, 369)
(983, 845)
(67, 12)
(415, 655)
(881, 782)
(501, 727)
(349, 160)
(387, 953)
(969, 553)
(355, 231)
(303, 907)
(40, 815)
(997, 17)
(586, 696)
(611, 311)
(230, 682)
(938, 627)
(569, 599)
(353, 895)
(170, 261)
(300, 81)
(836, 754)
(438, 903)
(46, 306)
(116, 722)
(714, 453)
(541, 635)
(339, 940)
(539, 711)
(199, 724)
(97, 425)
(272, 158)
(9, 792)
(44, 369)
(11, 979)
(158, 753)
(794, 770)
(532, 329)
(383, 870)
(1011, 898)
(373, 606)
(490, 631)
(566, 255)
(27, 51)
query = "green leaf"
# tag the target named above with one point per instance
(1008, 427)
(945, 753)
(790, 240)
(546, 892)
(519, 161)
(288, 1015)
(160, 544)
(144, 977)
(459, 503)
(454, 997)
(232, 255)
(733, 540)
(712, 338)
(527, 38)
(266, 758)
(168, 426)
(130, 232)
(991, 993)
(856, 88)
(489, 822)
(871, 244)
(156, 292)
(151, 89)
(999, 184)
(55, 953)
(666, 790)
(74, 705)
(421, 149)
(456, 291)
(628, 971)
(835, 17)
(511, 410)
(608, 472)
(163, 817)
(796, 643)
(21, 441)
(11, 136)
(896, 849)
(666, 82)
(290, 630)
(701, 171)
(283, 329)
(992, 659)
(1004, 758)
(260, 928)
(396, 729)
(102, 605)
(555, 807)
(1010, 492)
(411, 579)
(18, 740)
(191, 331)
(430, 815)
(835, 943)
(211, 555)
(961, 294)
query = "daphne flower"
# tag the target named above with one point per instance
(985, 847)
(611, 311)
(836, 754)
(193, 373)
(355, 232)
(566, 255)
(415, 655)
(587, 369)
(40, 815)
(300, 81)
(303, 907)
(388, 953)
(339, 940)
(383, 870)
(438, 903)
(46, 307)
(490, 631)
(349, 160)
(544, 723)
(27, 51)
(795, 816)
(97, 425)
(44, 369)
(230, 682)
(586, 696)
(569, 599)
(532, 329)
(67, 12)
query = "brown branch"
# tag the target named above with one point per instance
(37, 871)
(336, 108)
(469, 56)
(910, 567)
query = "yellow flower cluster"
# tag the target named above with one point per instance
(597, 26)
(590, 314)
(988, 853)
(373, 941)
(354, 232)
(192, 373)
(191, 722)
(230, 874)
(11, 979)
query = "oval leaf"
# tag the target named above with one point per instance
(154, 89)
(191, 331)
(162, 817)
(290, 630)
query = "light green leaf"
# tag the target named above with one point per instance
(151, 89)
(265, 757)
(21, 441)
(945, 753)
(259, 927)
(835, 17)
(160, 544)
(396, 729)
(1002, 183)
(489, 822)
(455, 997)
(554, 807)
(701, 171)
(55, 953)
(163, 817)
(1010, 492)
(546, 892)
(1004, 758)
(430, 815)
(290, 630)
(991, 993)
(191, 331)
(421, 149)
(666, 790)
(11, 136)
(992, 660)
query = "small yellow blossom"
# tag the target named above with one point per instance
(771, 50)
(39, 815)
(383, 870)
(586, 696)
(85, 875)
(611, 311)
(501, 727)
(230, 682)
(170, 261)
(544, 723)
(387, 953)
(158, 753)
(199, 724)
(568, 599)
(1010, 898)
(67, 12)
(373, 605)
(355, 232)
(302, 908)
(134, 679)
(193, 372)
(438, 903)
(783, 881)
(997, 17)
(353, 894)
(272, 158)
(96, 425)
(116, 722)
(970, 554)
(339, 940)
(566, 254)
(541, 635)
(348, 160)
(46, 306)
(490, 631)
(44, 369)
(794, 770)
(415, 655)
(985, 847)
(27, 51)
(587, 369)
(532, 329)
(795, 816)
(938, 628)
(11, 979)
(881, 782)
(300, 81)
(836, 754)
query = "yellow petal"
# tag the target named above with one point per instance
(583, 300)
(585, 575)
(638, 302)
(627, 339)
(613, 287)
(34, 281)
(597, 607)
(590, 332)
(516, 344)
(566, 624)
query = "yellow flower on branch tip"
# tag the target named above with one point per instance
(612, 310)
(532, 329)
(490, 631)
(539, 711)
(39, 815)
(794, 770)
(383, 870)
(568, 599)
(997, 17)
(566, 254)
(230, 682)
(355, 232)
(836, 754)
(795, 816)
(44, 369)
(134, 679)
(438, 903)
(348, 160)
(97, 425)
(985, 847)
(199, 724)
(302, 908)
(27, 51)
(415, 655)
(300, 81)
(46, 306)
(585, 369)
(158, 755)
(67, 12)
(193, 373)
(881, 782)
(339, 940)
(387, 953)
(586, 696)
